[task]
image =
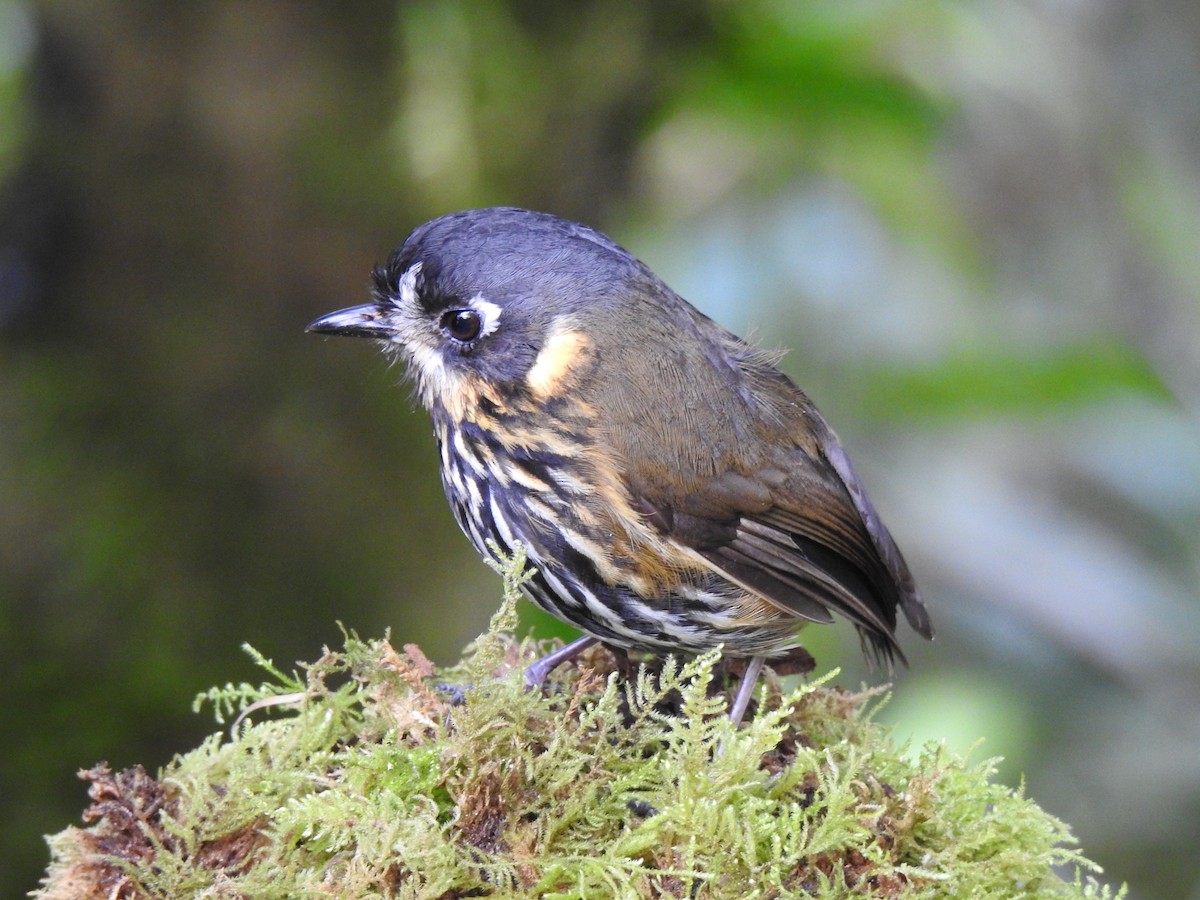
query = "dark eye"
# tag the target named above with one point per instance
(462, 324)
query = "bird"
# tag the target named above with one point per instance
(673, 490)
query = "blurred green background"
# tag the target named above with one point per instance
(976, 225)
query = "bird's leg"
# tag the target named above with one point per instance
(539, 669)
(745, 690)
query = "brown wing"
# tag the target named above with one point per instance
(811, 554)
(736, 464)
(796, 527)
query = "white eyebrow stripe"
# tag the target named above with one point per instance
(490, 312)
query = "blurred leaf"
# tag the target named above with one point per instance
(1006, 380)
(796, 67)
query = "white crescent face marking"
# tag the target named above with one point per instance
(408, 286)
(490, 313)
(418, 342)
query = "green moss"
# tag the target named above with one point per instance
(372, 774)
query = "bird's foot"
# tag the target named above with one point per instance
(745, 690)
(540, 669)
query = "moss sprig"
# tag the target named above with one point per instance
(373, 773)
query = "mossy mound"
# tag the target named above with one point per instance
(376, 775)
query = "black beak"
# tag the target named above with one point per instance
(358, 321)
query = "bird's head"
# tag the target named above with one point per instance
(498, 301)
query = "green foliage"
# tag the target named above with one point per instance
(991, 381)
(382, 777)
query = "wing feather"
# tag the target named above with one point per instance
(815, 549)
(741, 470)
